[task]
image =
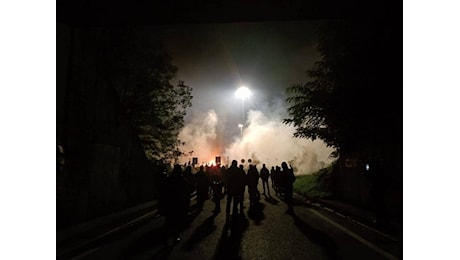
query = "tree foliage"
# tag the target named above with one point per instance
(352, 99)
(141, 72)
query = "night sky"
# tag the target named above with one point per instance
(215, 59)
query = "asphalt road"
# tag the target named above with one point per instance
(265, 231)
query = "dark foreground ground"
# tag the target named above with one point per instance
(265, 231)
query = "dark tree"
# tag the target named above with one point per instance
(353, 97)
(141, 72)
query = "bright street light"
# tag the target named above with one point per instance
(243, 93)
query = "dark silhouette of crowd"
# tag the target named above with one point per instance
(215, 182)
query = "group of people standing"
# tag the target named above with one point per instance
(215, 182)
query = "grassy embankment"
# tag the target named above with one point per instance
(315, 185)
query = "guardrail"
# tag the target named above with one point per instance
(82, 236)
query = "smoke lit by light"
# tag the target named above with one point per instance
(200, 136)
(265, 140)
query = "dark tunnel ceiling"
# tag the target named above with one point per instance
(122, 12)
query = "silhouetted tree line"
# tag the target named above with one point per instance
(135, 57)
(352, 99)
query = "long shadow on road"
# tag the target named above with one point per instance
(271, 200)
(194, 212)
(256, 213)
(206, 228)
(229, 244)
(329, 247)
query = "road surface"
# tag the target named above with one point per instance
(265, 231)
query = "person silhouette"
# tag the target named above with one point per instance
(235, 189)
(287, 179)
(264, 175)
(252, 181)
(202, 187)
(216, 187)
(177, 200)
(190, 179)
(378, 189)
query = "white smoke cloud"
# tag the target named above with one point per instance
(268, 140)
(200, 138)
(265, 139)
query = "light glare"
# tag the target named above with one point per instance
(243, 93)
